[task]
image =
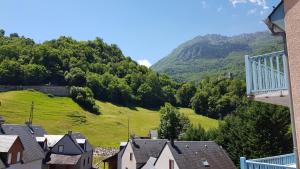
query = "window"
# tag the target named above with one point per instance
(88, 160)
(171, 164)
(60, 149)
(9, 158)
(83, 162)
(131, 155)
(18, 156)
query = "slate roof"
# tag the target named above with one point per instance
(78, 136)
(194, 154)
(32, 150)
(64, 159)
(6, 141)
(143, 149)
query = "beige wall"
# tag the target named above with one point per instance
(163, 160)
(126, 163)
(292, 28)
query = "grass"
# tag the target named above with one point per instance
(60, 114)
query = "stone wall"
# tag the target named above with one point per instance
(54, 90)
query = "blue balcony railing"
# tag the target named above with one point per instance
(266, 73)
(277, 162)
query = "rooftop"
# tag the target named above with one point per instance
(6, 141)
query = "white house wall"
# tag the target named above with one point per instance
(126, 163)
(163, 160)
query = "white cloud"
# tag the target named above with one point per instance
(144, 62)
(261, 3)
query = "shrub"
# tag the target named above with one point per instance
(85, 98)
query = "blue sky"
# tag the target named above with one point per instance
(146, 30)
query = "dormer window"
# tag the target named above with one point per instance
(60, 148)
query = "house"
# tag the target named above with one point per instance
(138, 151)
(163, 154)
(192, 155)
(11, 151)
(275, 78)
(69, 151)
(31, 153)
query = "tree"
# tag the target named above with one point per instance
(185, 93)
(34, 74)
(76, 77)
(256, 130)
(195, 134)
(10, 73)
(172, 123)
(84, 97)
(200, 103)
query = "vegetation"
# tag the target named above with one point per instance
(84, 97)
(60, 114)
(94, 64)
(215, 55)
(172, 123)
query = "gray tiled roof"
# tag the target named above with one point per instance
(192, 154)
(6, 141)
(32, 150)
(143, 149)
(76, 135)
(64, 159)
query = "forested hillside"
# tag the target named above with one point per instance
(214, 55)
(95, 69)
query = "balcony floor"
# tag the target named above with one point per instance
(275, 97)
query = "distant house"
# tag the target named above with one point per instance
(31, 154)
(69, 151)
(138, 151)
(192, 155)
(30, 147)
(11, 151)
(163, 154)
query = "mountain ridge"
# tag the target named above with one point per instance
(202, 56)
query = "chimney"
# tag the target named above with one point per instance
(70, 132)
(172, 142)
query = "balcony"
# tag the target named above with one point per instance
(266, 78)
(277, 162)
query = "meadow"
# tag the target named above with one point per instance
(60, 114)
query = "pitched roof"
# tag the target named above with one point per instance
(6, 141)
(198, 154)
(80, 137)
(53, 139)
(64, 159)
(32, 150)
(143, 149)
(150, 163)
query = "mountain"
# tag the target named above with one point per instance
(213, 55)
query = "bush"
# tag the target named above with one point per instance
(85, 98)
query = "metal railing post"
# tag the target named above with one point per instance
(248, 75)
(243, 163)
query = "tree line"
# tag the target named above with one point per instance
(98, 71)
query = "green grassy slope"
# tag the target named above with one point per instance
(60, 114)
